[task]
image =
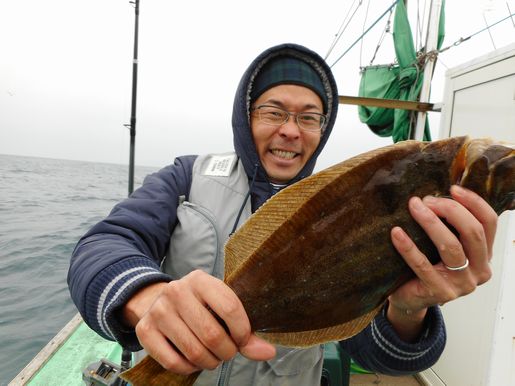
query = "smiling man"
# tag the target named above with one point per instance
(150, 274)
(286, 122)
(288, 106)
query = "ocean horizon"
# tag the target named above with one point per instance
(126, 165)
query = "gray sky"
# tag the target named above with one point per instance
(66, 70)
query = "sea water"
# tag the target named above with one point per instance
(46, 205)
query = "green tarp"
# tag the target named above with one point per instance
(402, 81)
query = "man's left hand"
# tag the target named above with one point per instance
(476, 223)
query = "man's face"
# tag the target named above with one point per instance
(285, 149)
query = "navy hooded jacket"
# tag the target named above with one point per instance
(122, 253)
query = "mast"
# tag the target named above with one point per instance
(431, 46)
(132, 125)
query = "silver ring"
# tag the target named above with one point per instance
(460, 268)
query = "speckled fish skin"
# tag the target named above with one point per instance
(318, 255)
(333, 260)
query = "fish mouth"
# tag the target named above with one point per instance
(284, 154)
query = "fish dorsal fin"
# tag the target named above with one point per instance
(267, 219)
(324, 335)
(280, 208)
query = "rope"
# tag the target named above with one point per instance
(362, 40)
(420, 24)
(509, 11)
(489, 33)
(363, 34)
(340, 30)
(381, 39)
(461, 40)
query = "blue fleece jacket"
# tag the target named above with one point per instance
(123, 252)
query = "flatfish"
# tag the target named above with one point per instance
(315, 263)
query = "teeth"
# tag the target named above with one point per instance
(284, 154)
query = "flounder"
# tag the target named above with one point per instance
(315, 263)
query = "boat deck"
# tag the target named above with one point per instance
(62, 361)
(383, 380)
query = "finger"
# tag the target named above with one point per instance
(433, 287)
(258, 349)
(472, 239)
(481, 210)
(224, 303)
(449, 247)
(159, 348)
(188, 344)
(206, 328)
(228, 307)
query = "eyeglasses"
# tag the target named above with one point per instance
(275, 116)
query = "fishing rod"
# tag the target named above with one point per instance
(126, 354)
(132, 125)
(105, 372)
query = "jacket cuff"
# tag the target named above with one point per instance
(415, 356)
(109, 292)
(386, 353)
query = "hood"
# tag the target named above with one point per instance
(243, 142)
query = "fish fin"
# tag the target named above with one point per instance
(269, 217)
(324, 335)
(148, 372)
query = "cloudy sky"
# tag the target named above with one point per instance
(66, 69)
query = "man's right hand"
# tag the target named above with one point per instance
(175, 326)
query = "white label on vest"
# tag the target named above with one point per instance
(220, 165)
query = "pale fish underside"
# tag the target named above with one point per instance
(315, 263)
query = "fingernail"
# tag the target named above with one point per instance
(416, 203)
(429, 200)
(458, 190)
(399, 234)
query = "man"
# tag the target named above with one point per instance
(149, 274)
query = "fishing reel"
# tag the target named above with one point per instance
(106, 373)
(102, 373)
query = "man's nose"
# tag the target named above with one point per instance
(290, 129)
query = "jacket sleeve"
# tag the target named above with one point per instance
(122, 253)
(379, 349)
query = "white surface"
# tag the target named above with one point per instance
(479, 101)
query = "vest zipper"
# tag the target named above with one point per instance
(225, 369)
(225, 373)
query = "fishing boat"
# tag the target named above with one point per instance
(78, 356)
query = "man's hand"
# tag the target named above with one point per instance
(476, 223)
(176, 327)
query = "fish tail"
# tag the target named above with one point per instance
(149, 372)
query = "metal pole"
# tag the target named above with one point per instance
(134, 95)
(431, 46)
